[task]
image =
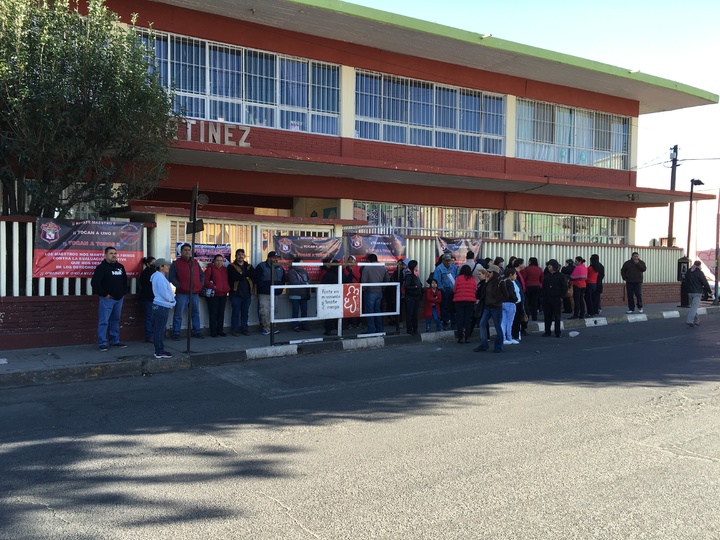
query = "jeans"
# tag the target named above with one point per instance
(373, 304)
(160, 316)
(436, 318)
(216, 314)
(447, 308)
(182, 301)
(590, 299)
(240, 310)
(299, 307)
(412, 307)
(533, 299)
(496, 315)
(694, 300)
(109, 320)
(508, 316)
(579, 300)
(634, 290)
(551, 311)
(148, 319)
(463, 311)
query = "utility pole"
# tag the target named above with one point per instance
(671, 213)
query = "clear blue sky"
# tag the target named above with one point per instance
(673, 40)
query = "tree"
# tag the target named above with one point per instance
(84, 116)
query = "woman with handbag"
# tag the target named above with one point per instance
(217, 287)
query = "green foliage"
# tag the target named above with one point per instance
(83, 116)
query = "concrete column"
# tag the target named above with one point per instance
(347, 102)
(508, 224)
(510, 126)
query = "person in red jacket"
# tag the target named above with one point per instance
(578, 278)
(179, 276)
(433, 299)
(464, 300)
(216, 280)
(533, 276)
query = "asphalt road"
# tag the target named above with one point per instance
(611, 434)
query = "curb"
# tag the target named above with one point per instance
(143, 366)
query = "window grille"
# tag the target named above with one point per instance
(216, 81)
(549, 132)
(569, 228)
(408, 111)
(413, 220)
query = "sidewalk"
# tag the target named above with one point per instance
(24, 367)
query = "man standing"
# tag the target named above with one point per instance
(180, 277)
(268, 273)
(696, 283)
(372, 295)
(109, 282)
(446, 274)
(241, 277)
(632, 274)
(493, 294)
(554, 289)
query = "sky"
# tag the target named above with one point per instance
(661, 38)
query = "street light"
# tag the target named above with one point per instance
(694, 182)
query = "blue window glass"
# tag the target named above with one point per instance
(367, 130)
(225, 72)
(421, 137)
(446, 103)
(395, 100)
(447, 140)
(325, 89)
(367, 96)
(260, 76)
(188, 65)
(294, 83)
(396, 134)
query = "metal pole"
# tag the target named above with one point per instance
(717, 249)
(692, 185)
(193, 222)
(671, 211)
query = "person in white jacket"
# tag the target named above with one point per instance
(163, 302)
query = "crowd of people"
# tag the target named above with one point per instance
(458, 296)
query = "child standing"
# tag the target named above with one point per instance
(433, 299)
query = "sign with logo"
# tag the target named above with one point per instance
(389, 248)
(308, 249)
(205, 253)
(72, 249)
(338, 301)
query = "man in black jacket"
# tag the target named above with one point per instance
(695, 283)
(109, 282)
(554, 289)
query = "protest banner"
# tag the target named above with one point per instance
(205, 253)
(458, 247)
(308, 249)
(72, 249)
(389, 248)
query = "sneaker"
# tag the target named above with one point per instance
(265, 333)
(514, 342)
(119, 345)
(163, 354)
(640, 310)
(198, 336)
(276, 331)
(691, 325)
(103, 348)
(630, 311)
(507, 342)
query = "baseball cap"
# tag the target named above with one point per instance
(272, 254)
(159, 262)
(447, 257)
(493, 268)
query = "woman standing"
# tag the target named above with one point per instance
(464, 300)
(164, 301)
(146, 295)
(216, 279)
(509, 306)
(579, 282)
(533, 275)
(596, 275)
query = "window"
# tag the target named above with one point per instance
(412, 220)
(215, 81)
(548, 132)
(569, 228)
(407, 111)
